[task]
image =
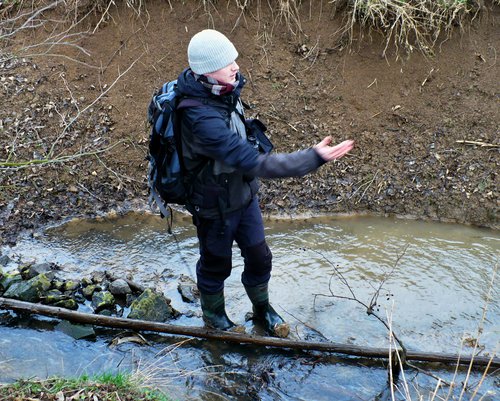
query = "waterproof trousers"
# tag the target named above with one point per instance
(216, 238)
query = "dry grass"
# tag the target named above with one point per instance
(461, 387)
(409, 24)
(164, 372)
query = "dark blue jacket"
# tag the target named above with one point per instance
(222, 166)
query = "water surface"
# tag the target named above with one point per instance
(437, 284)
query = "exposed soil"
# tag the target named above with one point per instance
(426, 129)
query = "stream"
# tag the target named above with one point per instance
(439, 294)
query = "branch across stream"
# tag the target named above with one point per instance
(201, 332)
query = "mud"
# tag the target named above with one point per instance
(426, 128)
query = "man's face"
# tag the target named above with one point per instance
(225, 75)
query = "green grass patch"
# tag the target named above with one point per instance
(104, 387)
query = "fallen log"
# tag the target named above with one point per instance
(202, 332)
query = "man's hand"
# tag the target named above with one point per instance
(329, 153)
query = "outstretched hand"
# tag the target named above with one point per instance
(329, 153)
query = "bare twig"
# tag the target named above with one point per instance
(479, 143)
(74, 119)
(306, 324)
(280, 119)
(104, 15)
(364, 185)
(373, 83)
(59, 159)
(74, 60)
(62, 41)
(370, 307)
(429, 76)
(31, 17)
(93, 195)
(440, 380)
(374, 300)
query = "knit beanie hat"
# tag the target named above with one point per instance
(209, 51)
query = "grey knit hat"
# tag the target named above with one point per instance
(209, 51)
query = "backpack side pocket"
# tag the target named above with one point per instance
(256, 135)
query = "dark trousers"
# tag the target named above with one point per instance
(216, 238)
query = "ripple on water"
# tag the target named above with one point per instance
(434, 293)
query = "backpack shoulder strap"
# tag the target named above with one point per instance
(197, 101)
(186, 102)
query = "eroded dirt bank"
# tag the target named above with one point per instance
(426, 129)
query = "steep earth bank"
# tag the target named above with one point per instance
(426, 129)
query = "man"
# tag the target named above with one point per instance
(222, 167)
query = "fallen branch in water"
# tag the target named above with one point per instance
(201, 332)
(372, 305)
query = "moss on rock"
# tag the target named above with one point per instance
(103, 300)
(152, 306)
(31, 290)
(8, 279)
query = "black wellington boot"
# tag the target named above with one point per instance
(264, 313)
(214, 311)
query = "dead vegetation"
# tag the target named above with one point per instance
(407, 25)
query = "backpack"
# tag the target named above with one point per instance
(166, 172)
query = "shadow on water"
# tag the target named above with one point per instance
(435, 298)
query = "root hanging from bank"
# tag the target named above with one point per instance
(407, 25)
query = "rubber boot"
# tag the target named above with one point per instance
(214, 311)
(264, 313)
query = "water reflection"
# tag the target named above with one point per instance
(435, 296)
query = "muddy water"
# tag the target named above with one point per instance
(437, 284)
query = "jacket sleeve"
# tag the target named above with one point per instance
(212, 138)
(294, 164)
